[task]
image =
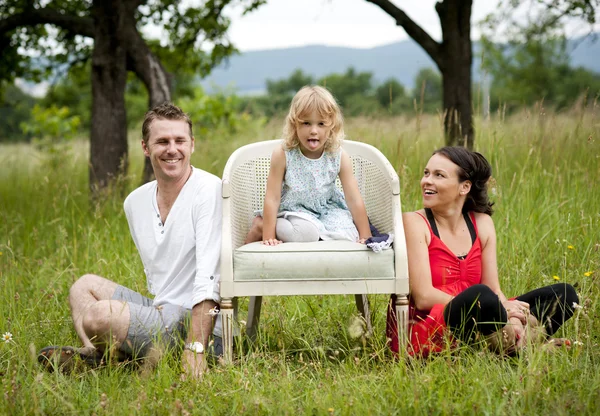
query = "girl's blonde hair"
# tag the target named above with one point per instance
(314, 98)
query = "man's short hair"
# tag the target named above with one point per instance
(165, 111)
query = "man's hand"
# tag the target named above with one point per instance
(194, 365)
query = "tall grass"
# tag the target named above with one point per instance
(546, 173)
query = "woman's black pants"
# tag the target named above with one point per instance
(479, 310)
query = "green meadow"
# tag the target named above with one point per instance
(546, 188)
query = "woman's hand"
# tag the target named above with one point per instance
(362, 240)
(519, 333)
(272, 242)
(517, 309)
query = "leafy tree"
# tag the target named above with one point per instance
(289, 86)
(454, 54)
(52, 128)
(37, 26)
(217, 112)
(428, 89)
(15, 108)
(576, 83)
(533, 63)
(74, 91)
(349, 86)
(537, 70)
(391, 95)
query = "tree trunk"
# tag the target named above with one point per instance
(108, 142)
(159, 91)
(455, 18)
(150, 71)
(453, 57)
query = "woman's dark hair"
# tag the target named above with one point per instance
(474, 167)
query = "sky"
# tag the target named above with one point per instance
(351, 23)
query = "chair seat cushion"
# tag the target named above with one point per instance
(325, 260)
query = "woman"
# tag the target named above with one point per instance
(452, 267)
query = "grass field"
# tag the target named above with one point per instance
(547, 195)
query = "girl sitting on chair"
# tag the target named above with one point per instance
(302, 202)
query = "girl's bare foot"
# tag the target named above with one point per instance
(553, 343)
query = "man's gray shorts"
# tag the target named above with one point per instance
(163, 325)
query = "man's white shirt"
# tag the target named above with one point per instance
(180, 257)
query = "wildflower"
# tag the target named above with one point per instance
(577, 306)
(570, 247)
(7, 337)
(579, 343)
(356, 329)
(556, 277)
(0, 253)
(588, 274)
(214, 311)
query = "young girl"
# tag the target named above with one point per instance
(302, 202)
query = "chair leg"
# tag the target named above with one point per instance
(362, 304)
(402, 322)
(227, 315)
(253, 317)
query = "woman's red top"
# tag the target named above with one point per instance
(449, 274)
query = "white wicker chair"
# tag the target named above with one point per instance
(289, 269)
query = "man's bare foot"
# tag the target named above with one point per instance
(66, 359)
(255, 233)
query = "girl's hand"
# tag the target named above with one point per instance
(517, 309)
(362, 240)
(271, 242)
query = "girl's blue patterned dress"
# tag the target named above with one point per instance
(309, 191)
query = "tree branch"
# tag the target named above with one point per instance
(83, 26)
(412, 29)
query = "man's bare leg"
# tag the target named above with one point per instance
(256, 231)
(99, 322)
(97, 319)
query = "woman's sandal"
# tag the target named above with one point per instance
(65, 359)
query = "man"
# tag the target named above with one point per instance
(175, 222)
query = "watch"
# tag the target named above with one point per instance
(196, 347)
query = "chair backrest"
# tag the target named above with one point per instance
(246, 172)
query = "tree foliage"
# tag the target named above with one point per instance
(290, 85)
(60, 32)
(52, 128)
(391, 95)
(15, 108)
(428, 90)
(356, 92)
(533, 63)
(349, 86)
(193, 39)
(453, 55)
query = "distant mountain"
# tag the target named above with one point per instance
(248, 72)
